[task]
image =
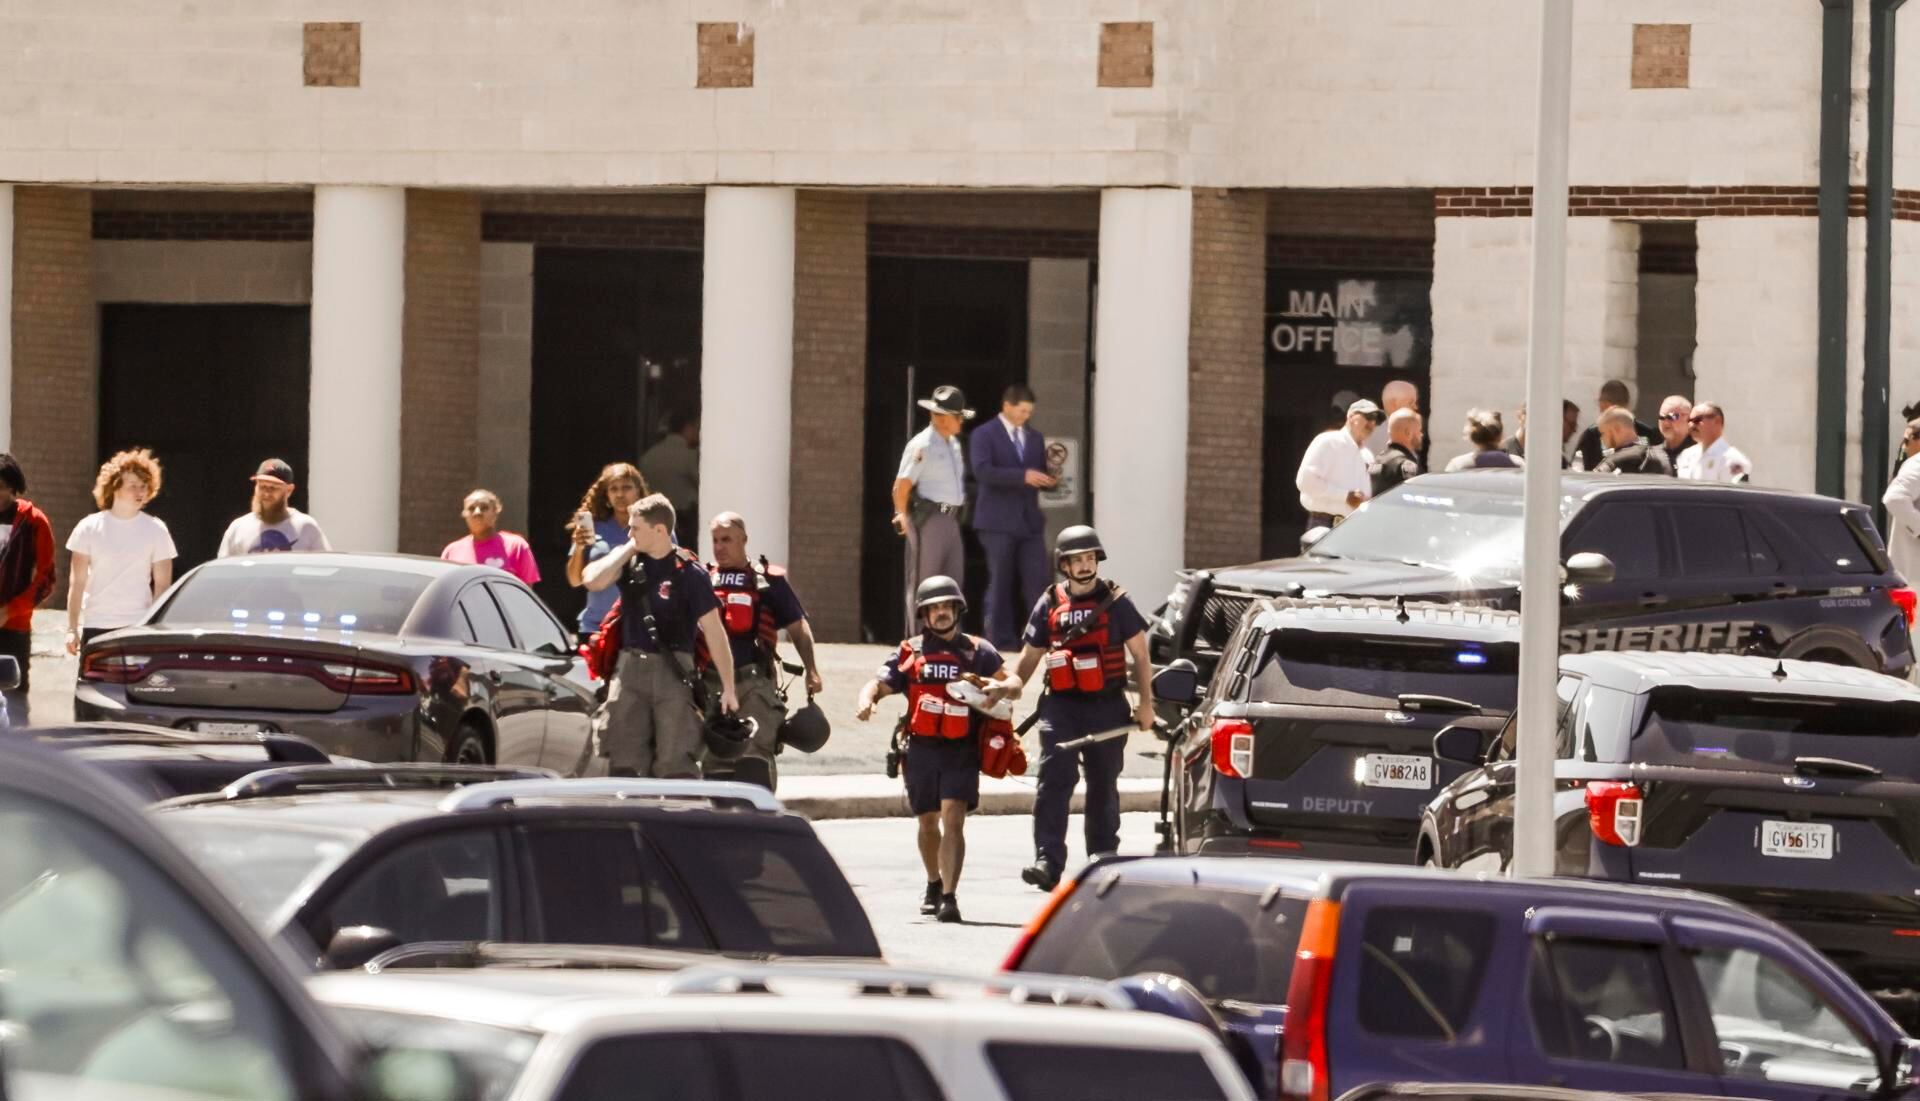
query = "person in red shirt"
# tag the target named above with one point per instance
(26, 574)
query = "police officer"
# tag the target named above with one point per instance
(756, 604)
(1401, 459)
(1085, 629)
(930, 489)
(1624, 450)
(943, 744)
(648, 726)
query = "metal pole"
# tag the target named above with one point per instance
(1533, 822)
(1836, 106)
(1876, 403)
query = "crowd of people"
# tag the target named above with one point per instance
(1380, 446)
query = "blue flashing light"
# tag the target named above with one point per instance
(1470, 657)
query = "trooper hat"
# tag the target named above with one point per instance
(947, 399)
(939, 589)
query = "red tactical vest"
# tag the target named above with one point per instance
(743, 607)
(1091, 663)
(931, 713)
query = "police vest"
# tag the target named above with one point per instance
(931, 713)
(743, 605)
(1090, 662)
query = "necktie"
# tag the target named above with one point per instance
(1020, 443)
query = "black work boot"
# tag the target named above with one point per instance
(1041, 874)
(949, 910)
(930, 902)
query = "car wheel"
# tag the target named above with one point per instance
(469, 747)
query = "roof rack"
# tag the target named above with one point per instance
(880, 980)
(437, 954)
(298, 779)
(516, 790)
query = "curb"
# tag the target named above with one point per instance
(996, 797)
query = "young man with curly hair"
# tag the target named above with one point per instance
(122, 557)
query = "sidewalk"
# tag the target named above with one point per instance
(872, 795)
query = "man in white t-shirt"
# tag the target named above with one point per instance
(273, 525)
(122, 556)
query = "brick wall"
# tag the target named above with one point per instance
(55, 361)
(440, 373)
(1226, 377)
(1403, 213)
(829, 403)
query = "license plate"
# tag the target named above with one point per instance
(1796, 840)
(1390, 770)
(230, 728)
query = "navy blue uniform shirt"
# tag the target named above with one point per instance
(679, 592)
(1123, 619)
(779, 598)
(986, 660)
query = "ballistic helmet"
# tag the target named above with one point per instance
(939, 589)
(727, 736)
(806, 728)
(1078, 539)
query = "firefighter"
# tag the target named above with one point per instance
(1085, 629)
(943, 743)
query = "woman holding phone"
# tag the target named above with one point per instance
(598, 527)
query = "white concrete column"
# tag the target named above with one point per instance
(6, 317)
(746, 362)
(1140, 385)
(359, 299)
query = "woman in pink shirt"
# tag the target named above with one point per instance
(487, 545)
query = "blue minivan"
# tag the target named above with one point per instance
(1327, 977)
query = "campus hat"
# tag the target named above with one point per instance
(1368, 408)
(274, 470)
(947, 399)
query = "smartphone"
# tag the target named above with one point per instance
(583, 519)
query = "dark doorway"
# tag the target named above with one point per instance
(616, 351)
(930, 322)
(212, 390)
(1332, 337)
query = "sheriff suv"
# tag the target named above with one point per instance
(1790, 787)
(1652, 564)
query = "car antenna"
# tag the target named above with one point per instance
(1779, 669)
(1402, 617)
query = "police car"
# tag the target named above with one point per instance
(1652, 564)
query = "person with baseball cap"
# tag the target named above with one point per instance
(1336, 474)
(273, 524)
(929, 491)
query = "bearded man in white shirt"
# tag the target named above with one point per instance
(1335, 476)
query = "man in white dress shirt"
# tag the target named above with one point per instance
(1712, 458)
(1903, 508)
(1335, 476)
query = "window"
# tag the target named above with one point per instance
(443, 886)
(603, 885)
(644, 1068)
(1759, 732)
(1840, 539)
(1603, 1002)
(1425, 968)
(536, 630)
(1627, 534)
(253, 590)
(1564, 689)
(484, 623)
(117, 984)
(1774, 1027)
(765, 885)
(1222, 941)
(1711, 540)
(808, 1066)
(1046, 1072)
(1336, 669)
(1763, 559)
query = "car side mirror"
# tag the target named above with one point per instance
(1902, 1068)
(1312, 536)
(354, 945)
(1460, 744)
(9, 672)
(1178, 683)
(1589, 568)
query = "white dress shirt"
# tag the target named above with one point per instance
(1333, 467)
(1722, 462)
(1903, 520)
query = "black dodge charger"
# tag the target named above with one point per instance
(375, 656)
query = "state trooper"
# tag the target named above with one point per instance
(943, 743)
(1085, 629)
(757, 602)
(929, 492)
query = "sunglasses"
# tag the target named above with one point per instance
(1701, 417)
(1670, 416)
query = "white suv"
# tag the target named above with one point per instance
(780, 1032)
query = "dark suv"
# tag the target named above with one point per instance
(1315, 737)
(1791, 787)
(350, 862)
(1689, 566)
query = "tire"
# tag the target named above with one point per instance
(469, 747)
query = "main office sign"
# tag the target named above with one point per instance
(1327, 319)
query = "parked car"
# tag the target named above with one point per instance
(1316, 736)
(347, 863)
(381, 657)
(157, 762)
(1790, 787)
(1338, 976)
(1652, 564)
(734, 1032)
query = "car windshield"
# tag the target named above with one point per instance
(259, 594)
(1472, 533)
(261, 868)
(492, 1057)
(1342, 670)
(1767, 733)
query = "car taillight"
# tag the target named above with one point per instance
(1908, 601)
(1233, 747)
(369, 680)
(1613, 812)
(114, 666)
(1303, 1042)
(1037, 923)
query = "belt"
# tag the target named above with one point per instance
(940, 508)
(685, 655)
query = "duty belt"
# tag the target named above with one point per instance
(940, 508)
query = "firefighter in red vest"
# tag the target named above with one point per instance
(943, 747)
(756, 604)
(1084, 629)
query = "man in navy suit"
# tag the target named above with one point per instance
(1010, 465)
